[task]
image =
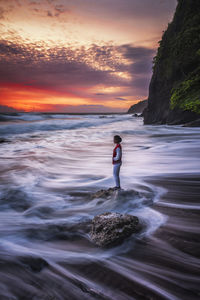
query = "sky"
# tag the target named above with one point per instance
(78, 55)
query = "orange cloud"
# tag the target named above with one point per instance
(22, 97)
(59, 55)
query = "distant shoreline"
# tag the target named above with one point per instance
(63, 113)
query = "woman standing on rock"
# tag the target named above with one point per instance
(117, 160)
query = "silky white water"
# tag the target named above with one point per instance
(50, 164)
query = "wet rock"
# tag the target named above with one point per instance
(103, 193)
(109, 229)
(35, 264)
(106, 194)
(15, 199)
(195, 123)
(2, 140)
(138, 107)
(140, 116)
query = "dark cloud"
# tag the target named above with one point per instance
(142, 67)
(84, 108)
(136, 53)
(7, 109)
(140, 57)
(64, 69)
(120, 98)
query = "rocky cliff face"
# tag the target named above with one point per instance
(138, 107)
(174, 90)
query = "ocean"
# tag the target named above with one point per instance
(50, 164)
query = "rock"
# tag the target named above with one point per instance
(107, 194)
(138, 107)
(35, 264)
(195, 123)
(110, 229)
(2, 140)
(14, 198)
(103, 193)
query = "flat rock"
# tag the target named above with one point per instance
(109, 229)
(105, 194)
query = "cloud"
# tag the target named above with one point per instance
(76, 70)
(120, 98)
(144, 66)
(85, 108)
(136, 53)
(7, 109)
(60, 8)
(141, 58)
(4, 11)
(49, 14)
(141, 83)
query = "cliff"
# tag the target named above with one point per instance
(138, 107)
(174, 90)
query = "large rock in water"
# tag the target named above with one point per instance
(174, 90)
(110, 229)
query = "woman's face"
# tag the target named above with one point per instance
(115, 141)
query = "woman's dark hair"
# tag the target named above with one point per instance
(117, 138)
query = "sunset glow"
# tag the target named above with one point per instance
(73, 56)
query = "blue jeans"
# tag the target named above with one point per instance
(116, 169)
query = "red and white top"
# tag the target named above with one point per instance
(117, 154)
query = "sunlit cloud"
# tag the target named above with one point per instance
(57, 52)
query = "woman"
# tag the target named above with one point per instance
(117, 160)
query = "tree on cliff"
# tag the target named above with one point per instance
(174, 90)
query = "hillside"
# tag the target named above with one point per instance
(138, 107)
(174, 90)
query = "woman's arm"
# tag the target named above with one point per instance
(118, 156)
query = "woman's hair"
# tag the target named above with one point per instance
(117, 138)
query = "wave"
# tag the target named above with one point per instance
(47, 177)
(27, 123)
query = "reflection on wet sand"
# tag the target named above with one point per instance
(49, 172)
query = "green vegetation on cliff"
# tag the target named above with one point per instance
(187, 95)
(178, 57)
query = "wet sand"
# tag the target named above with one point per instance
(164, 265)
(46, 210)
